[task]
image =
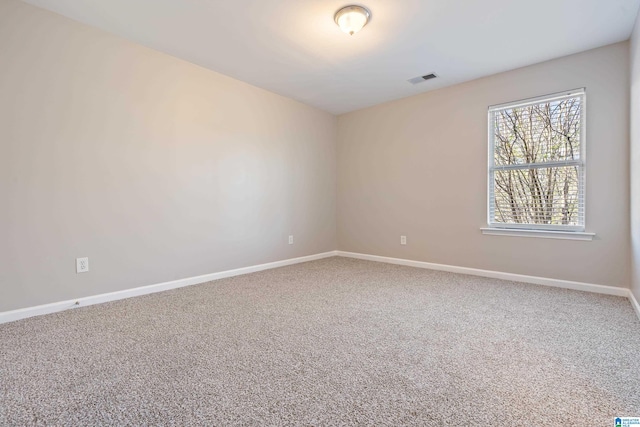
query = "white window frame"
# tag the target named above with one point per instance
(539, 230)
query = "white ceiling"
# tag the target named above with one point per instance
(293, 47)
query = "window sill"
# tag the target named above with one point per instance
(544, 234)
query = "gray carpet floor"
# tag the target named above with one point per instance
(330, 342)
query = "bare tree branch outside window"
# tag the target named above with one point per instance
(537, 166)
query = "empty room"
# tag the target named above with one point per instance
(319, 213)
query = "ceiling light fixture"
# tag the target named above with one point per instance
(352, 18)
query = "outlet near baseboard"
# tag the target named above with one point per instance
(82, 265)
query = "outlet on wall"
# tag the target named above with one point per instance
(82, 265)
(403, 240)
(291, 240)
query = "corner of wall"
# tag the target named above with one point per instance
(634, 157)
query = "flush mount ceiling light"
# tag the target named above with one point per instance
(352, 18)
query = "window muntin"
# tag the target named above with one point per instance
(536, 163)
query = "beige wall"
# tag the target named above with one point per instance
(154, 168)
(157, 169)
(635, 160)
(418, 167)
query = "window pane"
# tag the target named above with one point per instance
(545, 132)
(538, 196)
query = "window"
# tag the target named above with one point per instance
(536, 163)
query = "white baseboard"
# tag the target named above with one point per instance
(634, 303)
(23, 313)
(588, 287)
(10, 316)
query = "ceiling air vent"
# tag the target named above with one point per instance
(416, 80)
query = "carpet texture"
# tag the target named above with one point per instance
(330, 342)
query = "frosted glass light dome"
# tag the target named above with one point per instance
(352, 19)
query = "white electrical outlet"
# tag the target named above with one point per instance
(403, 240)
(82, 265)
(291, 240)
